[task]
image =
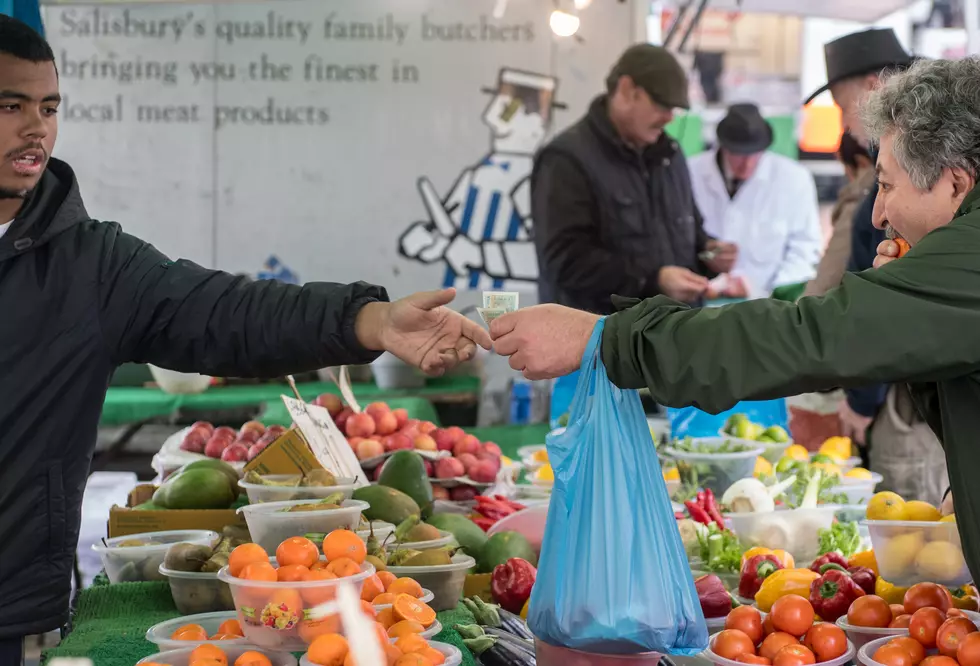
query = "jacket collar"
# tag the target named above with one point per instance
(598, 120)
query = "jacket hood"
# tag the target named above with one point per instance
(55, 205)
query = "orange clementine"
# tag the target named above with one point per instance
(344, 543)
(259, 571)
(386, 617)
(343, 567)
(225, 637)
(253, 658)
(405, 627)
(372, 588)
(207, 661)
(245, 554)
(297, 550)
(411, 643)
(369, 609)
(208, 651)
(328, 650)
(310, 630)
(320, 564)
(407, 607)
(318, 595)
(411, 659)
(191, 628)
(406, 586)
(231, 627)
(381, 632)
(291, 573)
(386, 578)
(435, 657)
(392, 654)
(382, 599)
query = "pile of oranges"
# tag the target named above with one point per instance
(211, 655)
(408, 650)
(228, 630)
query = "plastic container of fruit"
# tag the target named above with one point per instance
(445, 580)
(183, 657)
(445, 538)
(861, 636)
(721, 661)
(911, 552)
(426, 597)
(258, 493)
(452, 654)
(528, 522)
(271, 613)
(716, 471)
(381, 531)
(858, 491)
(269, 525)
(792, 530)
(197, 592)
(866, 651)
(161, 633)
(716, 624)
(552, 655)
(130, 564)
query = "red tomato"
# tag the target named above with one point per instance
(767, 627)
(938, 660)
(775, 642)
(752, 659)
(730, 643)
(794, 655)
(955, 612)
(927, 595)
(892, 655)
(869, 611)
(951, 634)
(897, 609)
(968, 654)
(910, 645)
(827, 641)
(925, 624)
(792, 614)
(747, 620)
(900, 622)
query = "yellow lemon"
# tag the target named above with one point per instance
(951, 518)
(858, 473)
(886, 506)
(837, 447)
(762, 467)
(504, 460)
(546, 474)
(672, 474)
(540, 456)
(796, 452)
(829, 468)
(921, 511)
(899, 553)
(940, 561)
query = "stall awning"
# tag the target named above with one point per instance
(27, 11)
(862, 11)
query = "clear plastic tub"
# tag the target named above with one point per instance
(381, 531)
(426, 597)
(269, 525)
(272, 613)
(716, 624)
(452, 654)
(792, 530)
(182, 657)
(444, 539)
(861, 636)
(198, 591)
(160, 633)
(130, 564)
(529, 522)
(716, 471)
(721, 661)
(552, 655)
(915, 552)
(858, 491)
(258, 493)
(445, 580)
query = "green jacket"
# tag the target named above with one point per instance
(915, 320)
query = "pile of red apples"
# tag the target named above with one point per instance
(226, 444)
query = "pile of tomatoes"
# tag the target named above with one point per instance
(786, 637)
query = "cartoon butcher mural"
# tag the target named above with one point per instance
(482, 229)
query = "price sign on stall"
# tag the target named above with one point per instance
(326, 441)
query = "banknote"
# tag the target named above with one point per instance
(506, 300)
(489, 314)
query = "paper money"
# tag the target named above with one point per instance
(505, 300)
(489, 314)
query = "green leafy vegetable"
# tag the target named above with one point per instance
(688, 445)
(804, 472)
(720, 551)
(841, 538)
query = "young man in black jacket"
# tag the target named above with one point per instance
(78, 297)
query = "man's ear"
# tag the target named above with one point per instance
(963, 183)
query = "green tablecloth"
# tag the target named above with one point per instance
(111, 622)
(418, 408)
(130, 404)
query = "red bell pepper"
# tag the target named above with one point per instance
(755, 570)
(511, 583)
(864, 577)
(831, 594)
(714, 598)
(829, 558)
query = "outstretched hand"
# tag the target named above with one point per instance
(544, 341)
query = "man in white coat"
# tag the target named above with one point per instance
(763, 202)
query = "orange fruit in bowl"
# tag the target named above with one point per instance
(343, 567)
(404, 628)
(406, 586)
(259, 571)
(435, 657)
(206, 661)
(328, 650)
(310, 630)
(297, 550)
(386, 578)
(407, 607)
(411, 643)
(386, 617)
(369, 609)
(245, 554)
(372, 588)
(209, 652)
(344, 543)
(224, 637)
(413, 659)
(253, 658)
(188, 628)
(382, 599)
(318, 595)
(231, 626)
(291, 573)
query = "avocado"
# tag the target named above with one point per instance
(501, 547)
(405, 471)
(387, 504)
(469, 537)
(199, 488)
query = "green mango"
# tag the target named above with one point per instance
(199, 488)
(387, 504)
(469, 537)
(405, 471)
(501, 547)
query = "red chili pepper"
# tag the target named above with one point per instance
(483, 523)
(491, 512)
(511, 583)
(697, 513)
(831, 594)
(516, 506)
(712, 508)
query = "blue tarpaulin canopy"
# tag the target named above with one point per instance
(27, 11)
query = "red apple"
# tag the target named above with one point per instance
(268, 438)
(425, 443)
(456, 433)
(444, 439)
(248, 437)
(255, 450)
(425, 427)
(401, 415)
(278, 430)
(194, 442)
(462, 493)
(235, 453)
(469, 444)
(330, 402)
(468, 460)
(440, 493)
(341, 418)
(492, 448)
(225, 431)
(428, 467)
(449, 468)
(386, 423)
(368, 448)
(360, 425)
(483, 471)
(258, 427)
(216, 446)
(354, 441)
(376, 409)
(203, 425)
(398, 442)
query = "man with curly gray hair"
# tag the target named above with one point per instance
(913, 319)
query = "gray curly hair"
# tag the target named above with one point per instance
(933, 109)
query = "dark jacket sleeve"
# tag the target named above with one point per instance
(181, 316)
(566, 231)
(910, 320)
(701, 239)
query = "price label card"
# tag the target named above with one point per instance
(326, 441)
(346, 391)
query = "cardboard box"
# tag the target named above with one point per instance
(290, 454)
(124, 521)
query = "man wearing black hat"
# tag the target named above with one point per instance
(765, 202)
(611, 197)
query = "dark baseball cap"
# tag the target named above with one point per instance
(656, 70)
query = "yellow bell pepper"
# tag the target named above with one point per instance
(890, 593)
(783, 583)
(527, 604)
(965, 598)
(864, 559)
(781, 555)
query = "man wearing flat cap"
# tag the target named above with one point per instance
(764, 202)
(611, 197)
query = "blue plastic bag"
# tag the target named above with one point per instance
(692, 422)
(613, 577)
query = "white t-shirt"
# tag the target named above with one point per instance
(4, 227)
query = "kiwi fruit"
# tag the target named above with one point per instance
(216, 562)
(186, 557)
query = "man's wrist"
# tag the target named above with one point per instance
(369, 325)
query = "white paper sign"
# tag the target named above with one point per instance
(346, 391)
(328, 444)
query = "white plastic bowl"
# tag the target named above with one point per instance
(528, 522)
(445, 538)
(868, 649)
(182, 657)
(258, 493)
(858, 491)
(716, 471)
(381, 531)
(861, 636)
(445, 580)
(160, 633)
(270, 526)
(196, 592)
(452, 654)
(179, 383)
(792, 530)
(129, 564)
(910, 552)
(281, 631)
(721, 661)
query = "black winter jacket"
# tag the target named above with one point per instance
(79, 297)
